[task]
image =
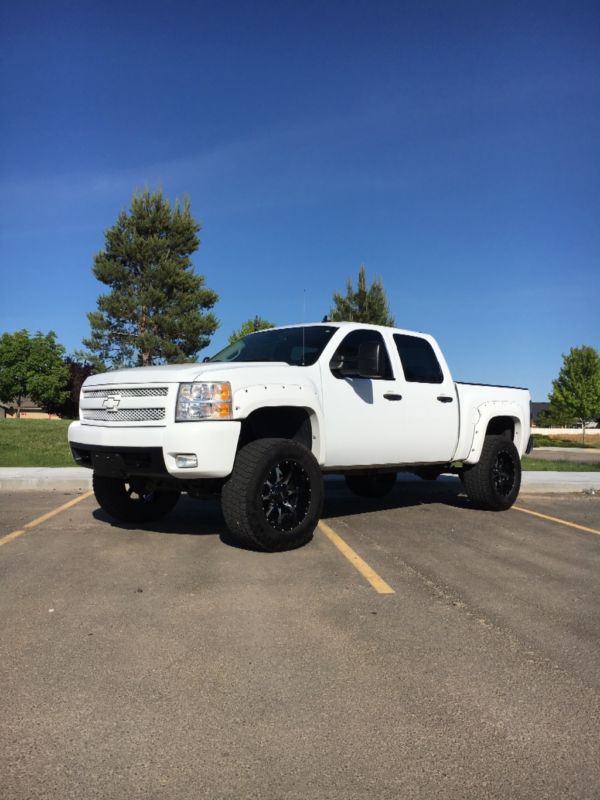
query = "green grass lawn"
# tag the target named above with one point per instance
(557, 466)
(539, 440)
(34, 443)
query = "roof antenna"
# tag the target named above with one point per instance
(303, 322)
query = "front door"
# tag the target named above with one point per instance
(358, 414)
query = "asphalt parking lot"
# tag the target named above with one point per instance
(459, 659)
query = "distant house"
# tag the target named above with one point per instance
(29, 410)
(536, 408)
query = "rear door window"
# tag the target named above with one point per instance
(418, 359)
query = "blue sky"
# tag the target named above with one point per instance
(453, 148)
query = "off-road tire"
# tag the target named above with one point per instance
(373, 486)
(129, 502)
(261, 509)
(494, 482)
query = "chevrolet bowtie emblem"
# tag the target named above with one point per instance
(111, 403)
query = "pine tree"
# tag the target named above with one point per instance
(365, 305)
(250, 326)
(158, 309)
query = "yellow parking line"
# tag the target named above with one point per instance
(557, 519)
(9, 537)
(357, 562)
(38, 521)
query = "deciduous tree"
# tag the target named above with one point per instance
(576, 391)
(78, 371)
(32, 366)
(550, 417)
(158, 308)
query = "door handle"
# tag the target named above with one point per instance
(445, 399)
(390, 396)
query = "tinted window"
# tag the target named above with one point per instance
(347, 354)
(299, 346)
(418, 359)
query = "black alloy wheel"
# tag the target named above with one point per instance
(503, 474)
(286, 495)
(273, 499)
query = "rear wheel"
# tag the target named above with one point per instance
(494, 482)
(274, 497)
(371, 485)
(134, 499)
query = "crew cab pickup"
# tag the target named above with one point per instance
(262, 421)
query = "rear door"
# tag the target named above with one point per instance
(428, 414)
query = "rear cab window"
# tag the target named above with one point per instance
(418, 359)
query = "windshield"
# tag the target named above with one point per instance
(298, 346)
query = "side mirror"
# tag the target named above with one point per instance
(336, 363)
(369, 360)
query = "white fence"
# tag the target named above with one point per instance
(566, 431)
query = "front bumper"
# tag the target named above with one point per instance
(152, 450)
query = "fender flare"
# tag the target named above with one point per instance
(253, 398)
(488, 411)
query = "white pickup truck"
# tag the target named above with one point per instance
(264, 419)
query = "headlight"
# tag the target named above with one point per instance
(203, 401)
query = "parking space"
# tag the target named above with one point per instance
(167, 663)
(17, 509)
(582, 509)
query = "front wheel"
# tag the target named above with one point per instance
(274, 497)
(132, 500)
(494, 482)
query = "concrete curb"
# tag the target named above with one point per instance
(45, 479)
(79, 479)
(560, 482)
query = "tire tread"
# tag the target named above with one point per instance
(477, 478)
(237, 509)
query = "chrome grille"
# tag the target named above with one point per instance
(124, 414)
(158, 391)
(122, 405)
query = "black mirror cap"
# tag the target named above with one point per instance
(336, 363)
(370, 360)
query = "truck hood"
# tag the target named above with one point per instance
(236, 372)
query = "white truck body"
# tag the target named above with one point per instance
(355, 422)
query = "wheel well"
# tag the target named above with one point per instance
(501, 426)
(286, 422)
